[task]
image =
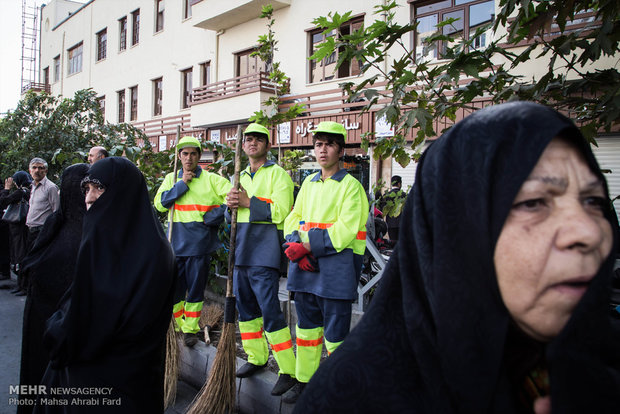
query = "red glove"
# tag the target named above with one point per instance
(295, 251)
(308, 263)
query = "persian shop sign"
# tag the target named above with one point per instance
(303, 128)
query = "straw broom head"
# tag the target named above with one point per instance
(210, 318)
(217, 396)
(172, 366)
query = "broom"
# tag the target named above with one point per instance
(171, 373)
(209, 319)
(217, 396)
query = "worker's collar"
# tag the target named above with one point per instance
(197, 171)
(338, 176)
(267, 163)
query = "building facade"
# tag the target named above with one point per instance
(162, 63)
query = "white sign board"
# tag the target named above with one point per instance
(215, 135)
(284, 133)
(383, 128)
(163, 143)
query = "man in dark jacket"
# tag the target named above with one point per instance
(391, 205)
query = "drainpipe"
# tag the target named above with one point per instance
(62, 65)
(93, 51)
(217, 53)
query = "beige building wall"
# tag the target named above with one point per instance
(182, 45)
(186, 43)
(291, 31)
(165, 54)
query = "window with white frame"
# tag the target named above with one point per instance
(187, 9)
(159, 15)
(74, 57)
(57, 68)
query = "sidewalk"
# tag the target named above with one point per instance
(253, 394)
(11, 311)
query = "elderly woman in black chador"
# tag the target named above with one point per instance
(110, 331)
(16, 189)
(49, 268)
(497, 297)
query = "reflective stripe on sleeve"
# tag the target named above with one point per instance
(361, 235)
(194, 207)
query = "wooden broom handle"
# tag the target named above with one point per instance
(233, 216)
(171, 213)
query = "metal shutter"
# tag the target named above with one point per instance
(608, 155)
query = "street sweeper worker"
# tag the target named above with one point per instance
(326, 240)
(198, 199)
(264, 200)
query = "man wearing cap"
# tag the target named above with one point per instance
(326, 240)
(264, 200)
(197, 197)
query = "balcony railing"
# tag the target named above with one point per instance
(334, 105)
(322, 102)
(164, 126)
(241, 85)
(36, 87)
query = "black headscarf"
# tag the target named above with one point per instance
(22, 179)
(111, 328)
(49, 267)
(434, 337)
(70, 214)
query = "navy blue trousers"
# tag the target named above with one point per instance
(192, 275)
(334, 315)
(256, 289)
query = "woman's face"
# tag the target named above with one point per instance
(553, 242)
(92, 192)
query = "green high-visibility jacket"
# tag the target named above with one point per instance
(259, 227)
(198, 210)
(331, 215)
